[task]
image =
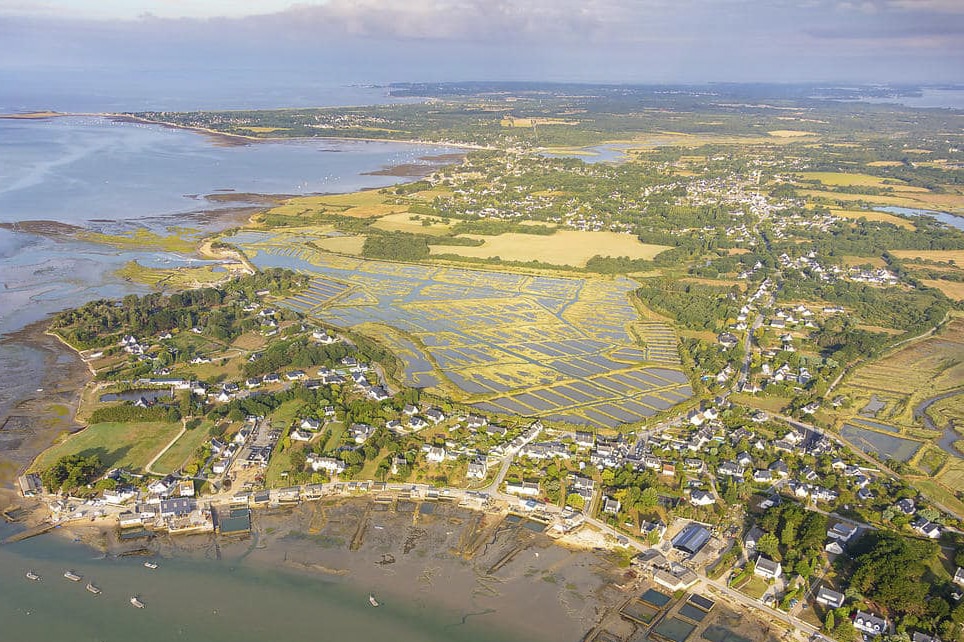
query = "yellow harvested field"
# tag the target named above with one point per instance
(565, 247)
(918, 151)
(789, 133)
(884, 164)
(870, 215)
(928, 201)
(403, 222)
(733, 251)
(938, 256)
(845, 179)
(953, 289)
(342, 244)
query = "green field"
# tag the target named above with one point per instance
(119, 445)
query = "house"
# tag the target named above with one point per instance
(360, 432)
(678, 578)
(767, 568)
(923, 637)
(409, 410)
(926, 528)
(752, 537)
(496, 431)
(185, 488)
(474, 422)
(730, 469)
(329, 464)
(829, 598)
(702, 498)
(611, 505)
(310, 423)
(762, 476)
(30, 485)
(477, 470)
(779, 468)
(301, 435)
(435, 415)
(585, 439)
(959, 576)
(435, 455)
(530, 489)
(646, 529)
(842, 532)
(728, 340)
(869, 623)
(834, 547)
(417, 423)
(177, 507)
(906, 506)
(378, 393)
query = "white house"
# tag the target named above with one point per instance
(833, 599)
(767, 568)
(870, 623)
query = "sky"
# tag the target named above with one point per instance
(630, 41)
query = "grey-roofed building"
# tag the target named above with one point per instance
(830, 598)
(691, 539)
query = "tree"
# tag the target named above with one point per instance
(576, 501)
(828, 624)
(769, 546)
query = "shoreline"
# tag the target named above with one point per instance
(232, 139)
(34, 422)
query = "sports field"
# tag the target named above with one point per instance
(511, 343)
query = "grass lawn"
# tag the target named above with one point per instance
(182, 450)
(119, 445)
(755, 587)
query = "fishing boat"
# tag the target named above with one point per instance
(372, 600)
(150, 564)
(136, 602)
(30, 575)
(73, 577)
(93, 589)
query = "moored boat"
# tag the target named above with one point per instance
(30, 575)
(73, 577)
(150, 564)
(372, 600)
(136, 602)
(93, 589)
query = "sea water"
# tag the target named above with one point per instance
(206, 599)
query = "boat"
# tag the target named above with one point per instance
(136, 602)
(372, 600)
(149, 564)
(30, 575)
(93, 589)
(73, 577)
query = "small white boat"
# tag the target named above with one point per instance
(150, 565)
(372, 600)
(136, 602)
(93, 589)
(30, 575)
(73, 577)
